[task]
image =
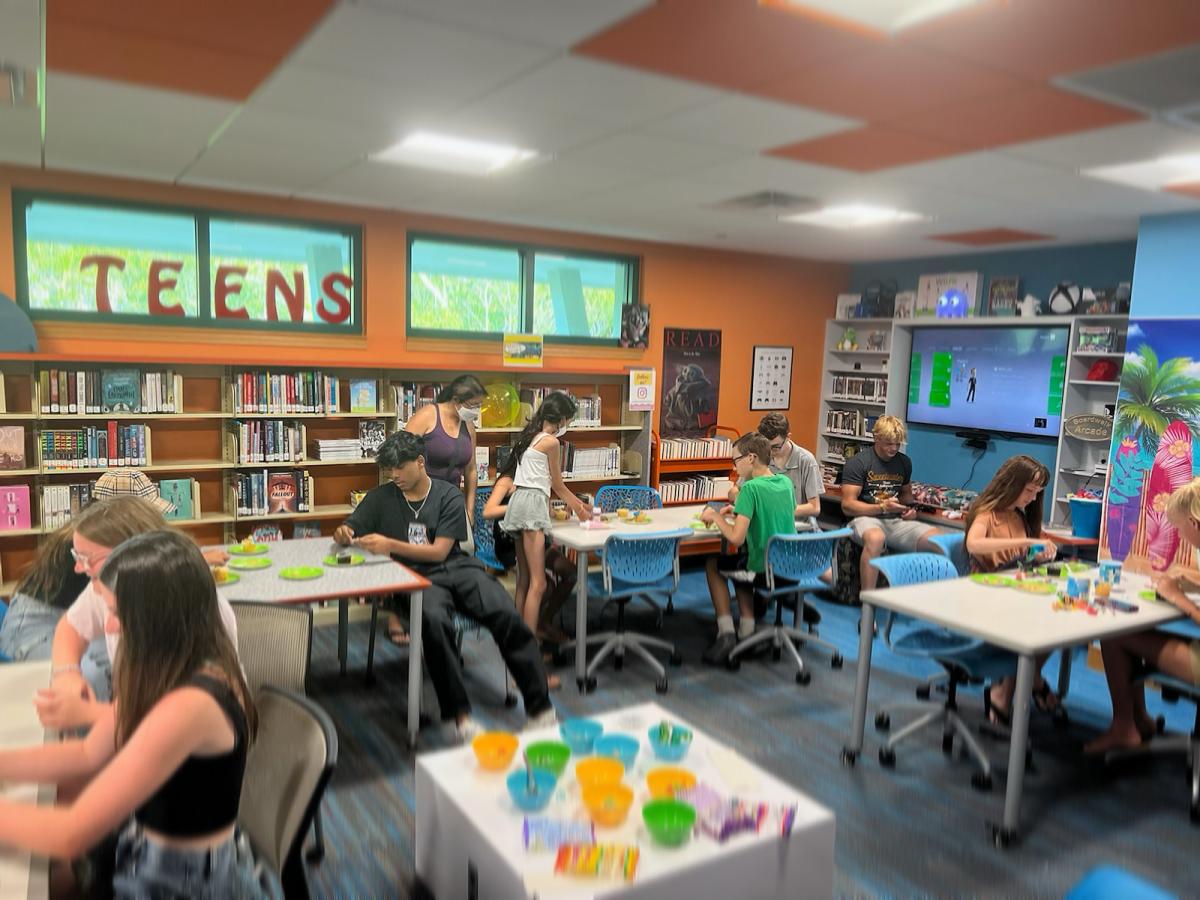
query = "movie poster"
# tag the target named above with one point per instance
(691, 381)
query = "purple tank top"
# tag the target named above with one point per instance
(446, 457)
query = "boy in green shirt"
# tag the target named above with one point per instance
(764, 508)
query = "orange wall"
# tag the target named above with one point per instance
(751, 298)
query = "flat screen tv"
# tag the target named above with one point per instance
(999, 379)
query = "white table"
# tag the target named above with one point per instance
(469, 841)
(22, 876)
(377, 576)
(1025, 624)
(589, 540)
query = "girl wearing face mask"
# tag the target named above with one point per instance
(1002, 525)
(528, 515)
(449, 430)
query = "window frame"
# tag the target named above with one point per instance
(526, 252)
(201, 216)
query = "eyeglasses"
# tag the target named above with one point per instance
(85, 560)
(736, 458)
(775, 448)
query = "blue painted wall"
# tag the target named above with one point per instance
(937, 455)
(1167, 270)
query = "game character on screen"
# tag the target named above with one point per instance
(971, 386)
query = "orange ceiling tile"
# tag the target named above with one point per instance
(734, 44)
(1028, 114)
(985, 237)
(219, 48)
(868, 149)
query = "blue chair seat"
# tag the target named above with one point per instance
(934, 642)
(620, 589)
(1114, 883)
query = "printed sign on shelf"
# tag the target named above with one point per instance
(641, 390)
(523, 350)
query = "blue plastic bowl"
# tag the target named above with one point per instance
(580, 734)
(667, 751)
(619, 746)
(518, 789)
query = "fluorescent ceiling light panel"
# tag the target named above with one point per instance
(888, 16)
(446, 153)
(1151, 174)
(853, 215)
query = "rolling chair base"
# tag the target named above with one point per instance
(952, 725)
(615, 644)
(782, 637)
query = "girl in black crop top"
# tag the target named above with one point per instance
(167, 758)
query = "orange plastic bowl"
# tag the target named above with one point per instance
(665, 781)
(596, 771)
(494, 749)
(608, 804)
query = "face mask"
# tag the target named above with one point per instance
(469, 413)
(561, 432)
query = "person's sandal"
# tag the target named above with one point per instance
(1045, 699)
(1001, 718)
(397, 633)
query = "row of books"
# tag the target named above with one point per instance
(91, 392)
(590, 462)
(841, 450)
(337, 448)
(830, 474)
(852, 422)
(853, 387)
(95, 447)
(296, 393)
(588, 414)
(694, 487)
(63, 502)
(408, 398)
(266, 440)
(264, 493)
(1097, 339)
(695, 448)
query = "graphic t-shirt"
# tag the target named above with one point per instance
(877, 478)
(385, 510)
(768, 502)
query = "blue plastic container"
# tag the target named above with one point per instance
(526, 801)
(667, 750)
(580, 734)
(619, 746)
(1085, 517)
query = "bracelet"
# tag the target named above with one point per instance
(68, 667)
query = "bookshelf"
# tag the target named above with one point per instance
(200, 440)
(692, 470)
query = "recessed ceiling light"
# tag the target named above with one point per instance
(429, 150)
(888, 16)
(1151, 174)
(852, 215)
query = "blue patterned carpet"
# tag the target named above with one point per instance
(920, 830)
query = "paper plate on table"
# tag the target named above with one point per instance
(244, 549)
(1036, 587)
(249, 562)
(991, 579)
(356, 559)
(227, 578)
(301, 573)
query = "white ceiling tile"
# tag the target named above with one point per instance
(545, 131)
(1109, 146)
(20, 37)
(277, 169)
(295, 135)
(20, 135)
(648, 153)
(738, 120)
(113, 127)
(553, 23)
(375, 184)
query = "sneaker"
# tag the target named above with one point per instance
(810, 615)
(718, 651)
(466, 730)
(544, 719)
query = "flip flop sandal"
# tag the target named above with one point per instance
(993, 713)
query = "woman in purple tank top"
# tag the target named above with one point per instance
(449, 430)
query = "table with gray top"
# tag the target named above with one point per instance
(376, 577)
(23, 876)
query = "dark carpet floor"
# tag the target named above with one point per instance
(919, 830)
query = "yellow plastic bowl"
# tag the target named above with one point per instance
(665, 781)
(596, 771)
(608, 804)
(494, 749)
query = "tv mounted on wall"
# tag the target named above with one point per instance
(1006, 380)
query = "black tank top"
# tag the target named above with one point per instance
(202, 796)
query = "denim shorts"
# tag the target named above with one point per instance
(148, 870)
(27, 634)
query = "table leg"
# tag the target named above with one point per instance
(866, 637)
(1018, 745)
(371, 641)
(581, 619)
(1065, 657)
(343, 631)
(415, 600)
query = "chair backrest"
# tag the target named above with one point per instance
(274, 644)
(481, 532)
(612, 497)
(287, 769)
(954, 546)
(642, 558)
(802, 558)
(911, 568)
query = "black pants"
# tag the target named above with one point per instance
(465, 585)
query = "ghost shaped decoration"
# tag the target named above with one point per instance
(952, 304)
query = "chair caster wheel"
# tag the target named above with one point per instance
(661, 685)
(947, 744)
(887, 757)
(848, 757)
(618, 663)
(776, 654)
(882, 721)
(675, 659)
(1160, 725)
(981, 782)
(836, 662)
(1194, 813)
(315, 854)
(1003, 837)
(923, 692)
(510, 700)
(733, 665)
(803, 677)
(588, 685)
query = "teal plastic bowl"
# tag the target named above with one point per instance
(543, 789)
(619, 746)
(670, 751)
(580, 734)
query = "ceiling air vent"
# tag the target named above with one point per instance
(769, 203)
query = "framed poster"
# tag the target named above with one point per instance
(691, 382)
(524, 350)
(771, 378)
(1002, 295)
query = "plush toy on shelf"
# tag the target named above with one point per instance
(849, 340)
(1030, 306)
(875, 340)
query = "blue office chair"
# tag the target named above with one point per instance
(612, 497)
(954, 548)
(795, 563)
(3, 613)
(965, 659)
(1115, 883)
(634, 565)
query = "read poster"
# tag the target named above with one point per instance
(691, 381)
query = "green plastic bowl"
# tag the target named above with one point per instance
(669, 822)
(549, 755)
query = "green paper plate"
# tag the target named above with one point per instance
(243, 550)
(705, 529)
(230, 578)
(356, 559)
(250, 562)
(1148, 594)
(301, 573)
(991, 579)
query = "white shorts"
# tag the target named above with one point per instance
(900, 535)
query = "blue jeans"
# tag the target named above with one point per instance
(27, 633)
(147, 870)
